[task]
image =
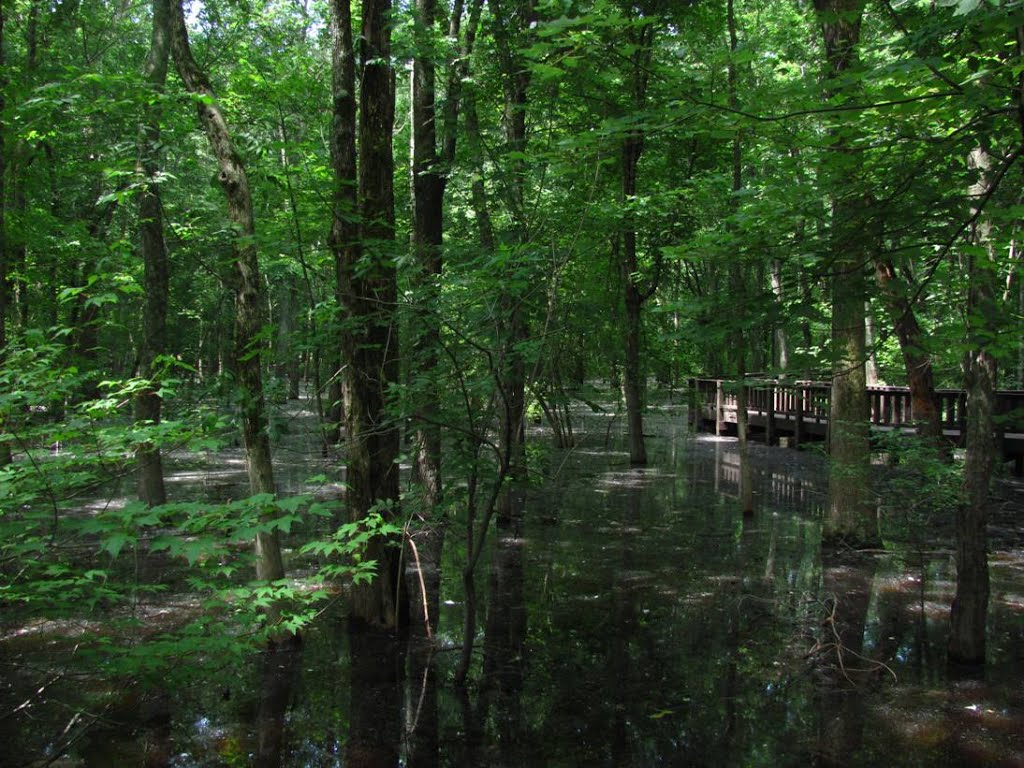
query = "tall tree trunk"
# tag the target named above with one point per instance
(344, 235)
(871, 375)
(287, 363)
(970, 604)
(851, 515)
(428, 189)
(248, 322)
(924, 404)
(300, 253)
(156, 268)
(427, 229)
(632, 369)
(5, 447)
(739, 286)
(781, 337)
(478, 192)
(370, 338)
(632, 149)
(22, 156)
(510, 28)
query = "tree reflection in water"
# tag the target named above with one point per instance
(634, 618)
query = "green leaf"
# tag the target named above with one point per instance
(115, 543)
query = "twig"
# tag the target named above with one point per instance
(423, 586)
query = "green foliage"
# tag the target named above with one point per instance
(919, 491)
(72, 549)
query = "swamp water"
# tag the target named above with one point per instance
(631, 617)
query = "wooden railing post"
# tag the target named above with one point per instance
(961, 418)
(769, 424)
(798, 426)
(696, 403)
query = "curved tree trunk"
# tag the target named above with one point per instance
(248, 290)
(154, 258)
(924, 404)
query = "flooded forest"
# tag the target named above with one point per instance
(511, 382)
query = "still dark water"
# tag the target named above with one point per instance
(634, 617)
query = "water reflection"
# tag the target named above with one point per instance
(422, 721)
(636, 618)
(501, 682)
(377, 665)
(276, 684)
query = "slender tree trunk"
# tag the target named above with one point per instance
(851, 516)
(632, 149)
(739, 288)
(970, 605)
(427, 230)
(22, 156)
(370, 337)
(478, 193)
(871, 375)
(246, 363)
(510, 29)
(5, 447)
(632, 369)
(781, 338)
(287, 368)
(344, 236)
(300, 252)
(154, 258)
(428, 189)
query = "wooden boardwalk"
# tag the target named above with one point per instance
(799, 412)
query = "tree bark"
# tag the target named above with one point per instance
(287, 363)
(924, 404)
(871, 374)
(781, 337)
(427, 233)
(510, 26)
(851, 515)
(632, 149)
(370, 337)
(248, 319)
(156, 274)
(970, 604)
(739, 287)
(5, 448)
(632, 372)
(344, 235)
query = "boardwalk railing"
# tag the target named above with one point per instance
(799, 411)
